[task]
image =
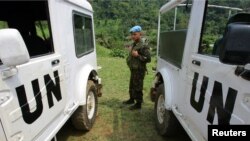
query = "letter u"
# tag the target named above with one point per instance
(30, 117)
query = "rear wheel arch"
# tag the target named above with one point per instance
(87, 92)
(87, 73)
(166, 122)
(92, 76)
(165, 79)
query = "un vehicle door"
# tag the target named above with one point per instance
(215, 92)
(34, 96)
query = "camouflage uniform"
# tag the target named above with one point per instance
(137, 66)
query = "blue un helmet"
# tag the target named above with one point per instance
(136, 28)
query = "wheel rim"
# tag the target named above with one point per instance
(161, 109)
(90, 105)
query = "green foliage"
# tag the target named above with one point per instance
(3, 25)
(215, 23)
(117, 52)
(102, 51)
(209, 39)
(42, 29)
(208, 42)
(113, 19)
(108, 33)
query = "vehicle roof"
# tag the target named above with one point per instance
(81, 3)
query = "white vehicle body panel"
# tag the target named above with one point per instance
(61, 70)
(189, 108)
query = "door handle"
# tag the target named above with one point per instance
(55, 62)
(197, 63)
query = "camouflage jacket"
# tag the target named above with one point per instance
(144, 57)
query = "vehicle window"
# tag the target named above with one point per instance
(31, 19)
(173, 30)
(42, 29)
(216, 16)
(83, 34)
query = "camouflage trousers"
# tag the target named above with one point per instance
(136, 85)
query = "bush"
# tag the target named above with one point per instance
(102, 51)
(117, 52)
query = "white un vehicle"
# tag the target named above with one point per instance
(203, 66)
(48, 69)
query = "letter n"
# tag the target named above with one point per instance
(53, 88)
(216, 104)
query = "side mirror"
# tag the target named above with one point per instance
(13, 50)
(235, 45)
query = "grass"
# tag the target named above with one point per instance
(115, 122)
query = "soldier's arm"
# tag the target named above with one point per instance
(144, 55)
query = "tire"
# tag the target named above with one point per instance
(84, 117)
(166, 122)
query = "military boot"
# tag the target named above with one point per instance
(135, 106)
(130, 101)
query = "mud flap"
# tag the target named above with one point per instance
(153, 94)
(99, 90)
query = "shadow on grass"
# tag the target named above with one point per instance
(136, 125)
(115, 122)
(68, 132)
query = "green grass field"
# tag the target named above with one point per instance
(114, 121)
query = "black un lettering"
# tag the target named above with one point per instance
(216, 102)
(198, 106)
(51, 87)
(30, 117)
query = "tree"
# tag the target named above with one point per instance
(113, 19)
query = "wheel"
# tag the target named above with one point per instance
(166, 122)
(84, 117)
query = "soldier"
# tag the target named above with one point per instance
(137, 59)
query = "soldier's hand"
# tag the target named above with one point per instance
(135, 53)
